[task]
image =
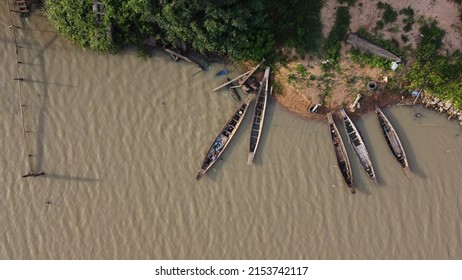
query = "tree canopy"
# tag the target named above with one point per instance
(239, 29)
(231, 27)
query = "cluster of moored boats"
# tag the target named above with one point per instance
(360, 149)
(355, 139)
(225, 135)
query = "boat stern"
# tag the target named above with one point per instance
(200, 174)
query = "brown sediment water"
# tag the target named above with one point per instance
(121, 139)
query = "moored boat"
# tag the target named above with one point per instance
(341, 154)
(258, 116)
(358, 146)
(393, 141)
(223, 138)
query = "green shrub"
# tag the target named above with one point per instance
(408, 26)
(407, 11)
(295, 23)
(404, 38)
(432, 35)
(301, 70)
(379, 25)
(389, 15)
(437, 74)
(368, 59)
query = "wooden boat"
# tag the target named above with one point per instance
(258, 116)
(341, 154)
(357, 143)
(223, 138)
(393, 141)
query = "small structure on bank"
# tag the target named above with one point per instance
(365, 45)
(98, 10)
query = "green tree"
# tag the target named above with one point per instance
(296, 23)
(126, 19)
(231, 27)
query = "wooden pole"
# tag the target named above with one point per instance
(250, 73)
(230, 82)
(19, 80)
(244, 77)
(183, 57)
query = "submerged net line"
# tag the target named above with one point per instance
(21, 105)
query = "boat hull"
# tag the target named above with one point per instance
(258, 117)
(358, 146)
(393, 141)
(224, 137)
(341, 154)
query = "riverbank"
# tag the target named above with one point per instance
(302, 82)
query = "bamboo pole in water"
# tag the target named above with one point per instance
(19, 80)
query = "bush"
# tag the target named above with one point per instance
(389, 15)
(379, 25)
(439, 75)
(432, 35)
(301, 70)
(404, 38)
(368, 59)
(407, 11)
(295, 23)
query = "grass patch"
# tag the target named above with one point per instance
(301, 70)
(364, 59)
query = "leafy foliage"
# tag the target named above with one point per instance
(389, 14)
(231, 27)
(409, 20)
(440, 75)
(369, 59)
(295, 23)
(73, 20)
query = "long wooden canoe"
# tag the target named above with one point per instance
(341, 154)
(258, 116)
(358, 146)
(393, 141)
(223, 138)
